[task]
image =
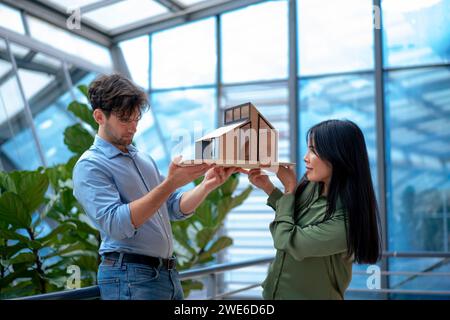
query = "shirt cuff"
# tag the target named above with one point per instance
(177, 214)
(124, 217)
(274, 197)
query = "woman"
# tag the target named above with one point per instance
(326, 222)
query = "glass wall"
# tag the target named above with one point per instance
(18, 149)
(48, 88)
(183, 116)
(415, 32)
(416, 42)
(136, 53)
(69, 42)
(48, 94)
(182, 96)
(334, 36)
(184, 56)
(255, 43)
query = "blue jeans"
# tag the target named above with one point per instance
(131, 281)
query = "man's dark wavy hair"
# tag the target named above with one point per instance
(117, 94)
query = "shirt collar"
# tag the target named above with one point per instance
(110, 150)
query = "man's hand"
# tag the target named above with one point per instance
(145, 207)
(213, 178)
(216, 176)
(179, 176)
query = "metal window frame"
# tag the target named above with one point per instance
(27, 109)
(381, 142)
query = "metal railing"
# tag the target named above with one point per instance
(211, 272)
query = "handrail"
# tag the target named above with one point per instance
(87, 293)
(93, 292)
(223, 267)
(416, 254)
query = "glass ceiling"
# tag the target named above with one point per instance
(124, 12)
(11, 19)
(117, 13)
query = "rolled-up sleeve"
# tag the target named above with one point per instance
(99, 196)
(315, 240)
(173, 205)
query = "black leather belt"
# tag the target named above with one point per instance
(168, 264)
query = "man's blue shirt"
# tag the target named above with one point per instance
(105, 181)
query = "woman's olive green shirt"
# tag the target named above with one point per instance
(311, 259)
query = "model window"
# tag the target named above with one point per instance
(228, 116)
(244, 112)
(237, 114)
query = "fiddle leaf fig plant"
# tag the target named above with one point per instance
(44, 230)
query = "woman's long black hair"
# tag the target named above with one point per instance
(341, 143)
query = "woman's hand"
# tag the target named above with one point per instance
(259, 180)
(288, 178)
(217, 176)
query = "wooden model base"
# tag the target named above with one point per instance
(239, 164)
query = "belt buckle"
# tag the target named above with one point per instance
(171, 263)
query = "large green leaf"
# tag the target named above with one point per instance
(87, 263)
(52, 237)
(238, 200)
(84, 90)
(215, 195)
(223, 208)
(13, 210)
(189, 285)
(61, 173)
(20, 289)
(13, 235)
(230, 185)
(9, 251)
(204, 236)
(61, 263)
(21, 271)
(220, 244)
(66, 250)
(77, 138)
(31, 187)
(83, 227)
(204, 257)
(6, 183)
(83, 112)
(67, 199)
(55, 174)
(180, 235)
(24, 257)
(70, 164)
(203, 214)
(198, 180)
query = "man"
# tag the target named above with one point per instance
(129, 201)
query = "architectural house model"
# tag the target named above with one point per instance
(246, 140)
